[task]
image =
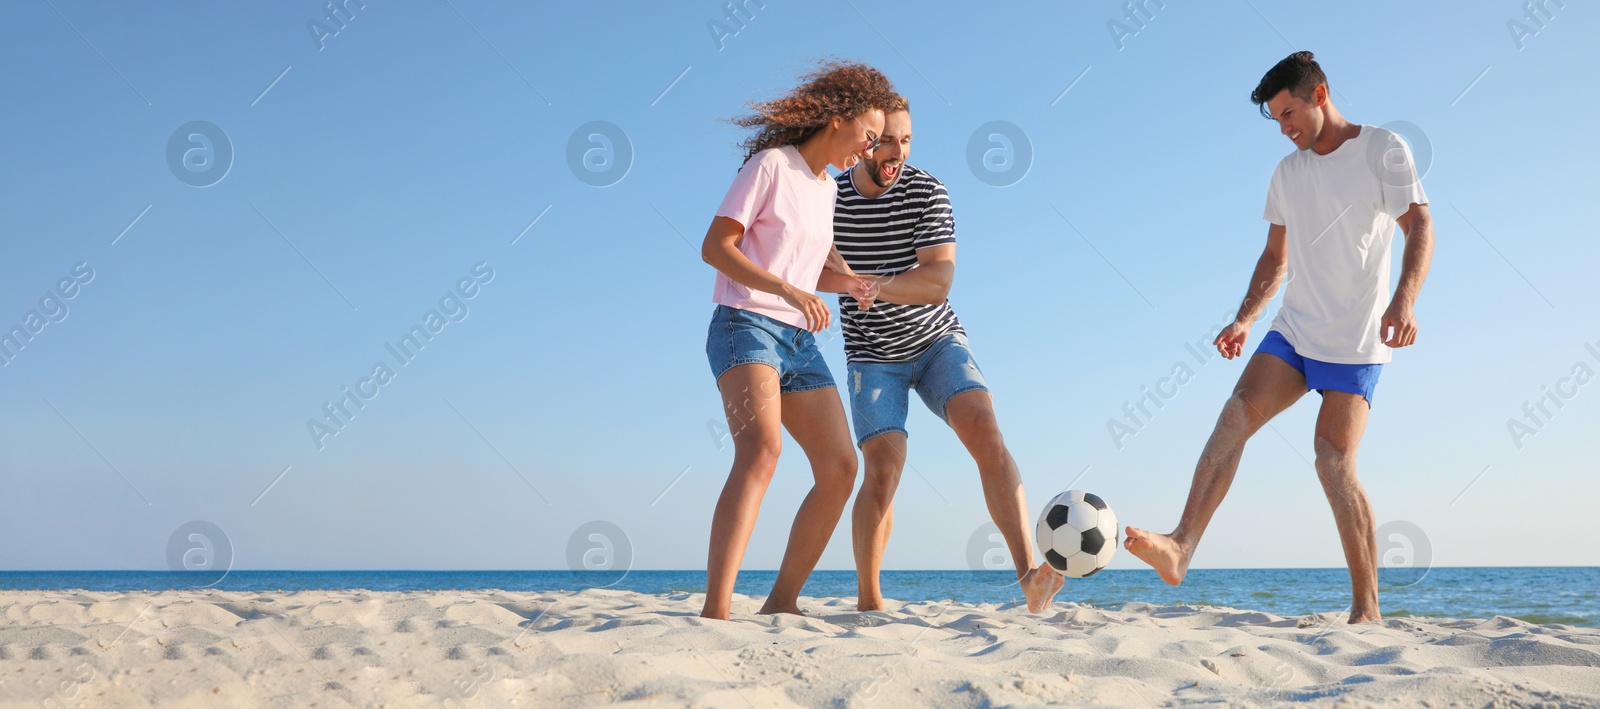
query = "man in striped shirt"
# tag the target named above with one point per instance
(896, 256)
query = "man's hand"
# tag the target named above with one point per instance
(1399, 325)
(865, 291)
(1230, 342)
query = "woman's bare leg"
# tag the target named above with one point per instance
(751, 401)
(816, 421)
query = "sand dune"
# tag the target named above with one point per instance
(493, 648)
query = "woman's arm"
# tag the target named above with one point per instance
(831, 281)
(864, 291)
(838, 277)
(837, 263)
(721, 250)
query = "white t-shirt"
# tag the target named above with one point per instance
(787, 215)
(1339, 213)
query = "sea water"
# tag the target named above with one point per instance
(1569, 595)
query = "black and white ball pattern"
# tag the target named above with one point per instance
(1077, 533)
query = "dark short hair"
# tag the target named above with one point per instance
(897, 105)
(1298, 72)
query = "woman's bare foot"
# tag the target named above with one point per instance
(1163, 553)
(869, 604)
(1039, 585)
(714, 614)
(771, 607)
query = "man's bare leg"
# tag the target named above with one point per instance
(971, 415)
(816, 420)
(1268, 386)
(1340, 423)
(873, 515)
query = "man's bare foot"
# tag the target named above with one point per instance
(1040, 586)
(1163, 553)
(1364, 616)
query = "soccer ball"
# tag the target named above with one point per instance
(1077, 534)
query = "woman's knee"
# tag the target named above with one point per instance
(834, 473)
(881, 480)
(841, 470)
(758, 453)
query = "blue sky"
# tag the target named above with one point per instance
(373, 170)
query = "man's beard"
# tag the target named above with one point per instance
(876, 168)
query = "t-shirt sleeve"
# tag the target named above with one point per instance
(751, 191)
(937, 225)
(1398, 172)
(1274, 211)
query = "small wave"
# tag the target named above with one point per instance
(1535, 618)
(1548, 618)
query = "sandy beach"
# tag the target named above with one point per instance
(492, 648)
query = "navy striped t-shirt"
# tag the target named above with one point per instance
(881, 236)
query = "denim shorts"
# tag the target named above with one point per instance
(1359, 379)
(879, 391)
(744, 337)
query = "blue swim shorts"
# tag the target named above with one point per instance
(1352, 378)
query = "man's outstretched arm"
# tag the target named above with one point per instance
(1263, 285)
(1399, 325)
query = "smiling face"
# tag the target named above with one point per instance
(1300, 120)
(851, 138)
(895, 147)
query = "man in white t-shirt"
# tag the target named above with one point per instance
(1332, 208)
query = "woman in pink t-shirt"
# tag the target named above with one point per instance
(768, 242)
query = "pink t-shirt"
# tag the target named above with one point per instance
(787, 215)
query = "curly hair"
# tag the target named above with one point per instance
(836, 89)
